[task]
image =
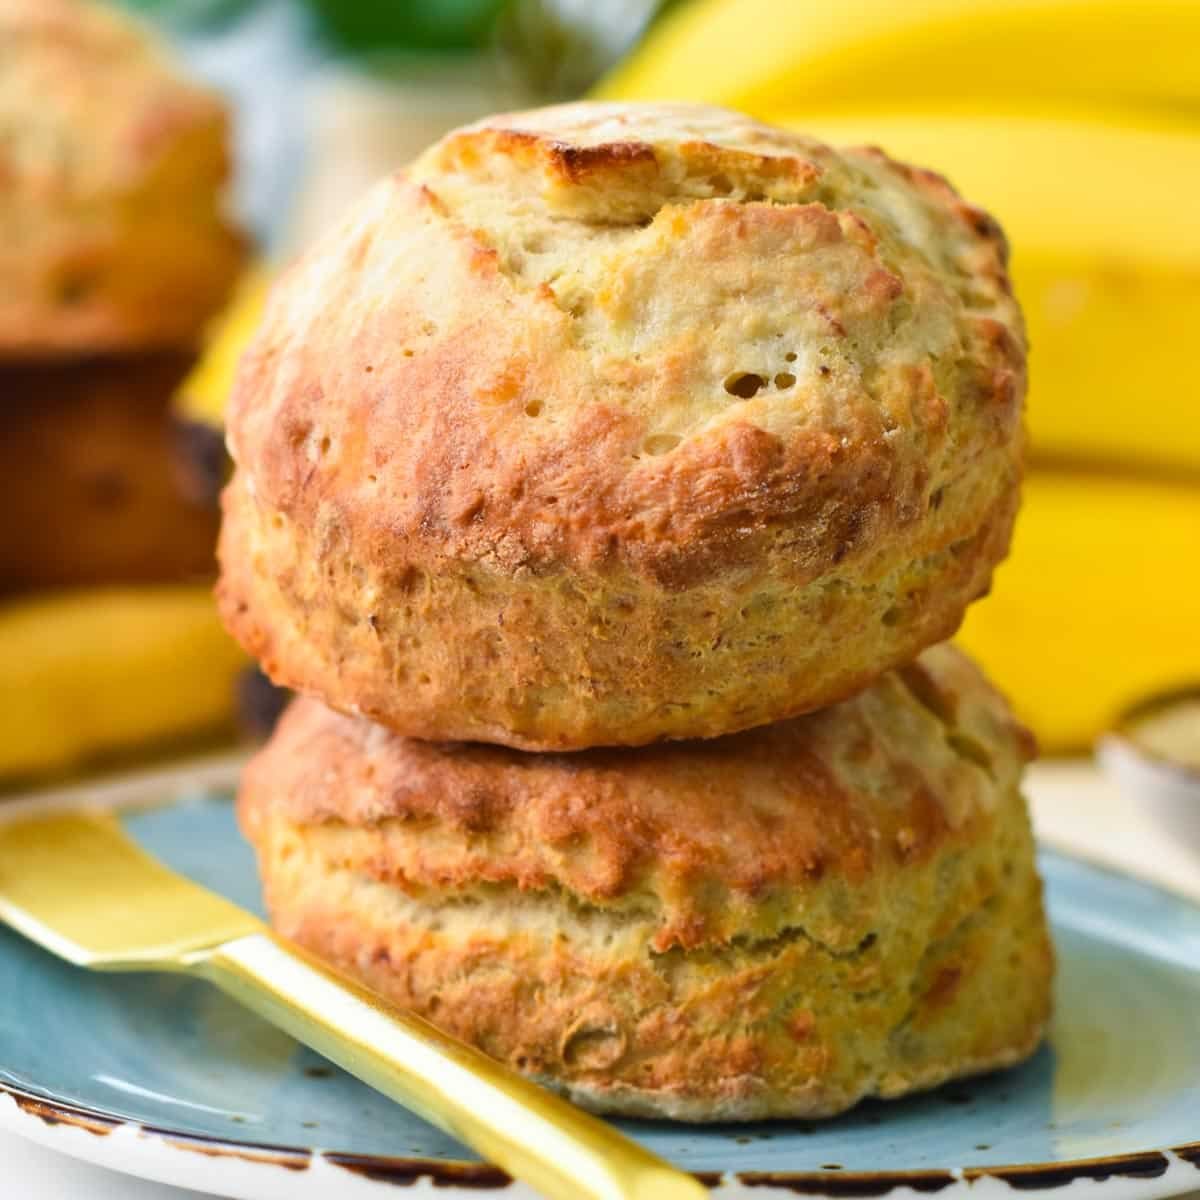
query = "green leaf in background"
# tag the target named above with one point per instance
(355, 26)
(557, 48)
(370, 25)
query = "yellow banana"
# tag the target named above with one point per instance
(1113, 373)
(766, 56)
(89, 673)
(1098, 605)
(203, 393)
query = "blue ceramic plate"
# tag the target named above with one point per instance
(166, 1078)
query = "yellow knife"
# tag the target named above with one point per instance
(75, 884)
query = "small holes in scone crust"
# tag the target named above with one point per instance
(593, 1047)
(785, 380)
(744, 384)
(661, 443)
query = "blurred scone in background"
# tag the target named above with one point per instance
(117, 253)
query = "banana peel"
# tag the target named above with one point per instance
(88, 674)
(1112, 376)
(1098, 605)
(769, 56)
(202, 395)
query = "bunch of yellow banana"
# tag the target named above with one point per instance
(1077, 123)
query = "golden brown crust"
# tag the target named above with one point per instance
(709, 829)
(634, 372)
(772, 924)
(112, 175)
(89, 491)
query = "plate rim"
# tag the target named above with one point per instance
(1147, 1164)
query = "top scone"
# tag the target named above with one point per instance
(609, 423)
(112, 170)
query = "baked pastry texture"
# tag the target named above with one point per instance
(772, 924)
(609, 423)
(92, 489)
(113, 170)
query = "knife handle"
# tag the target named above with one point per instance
(532, 1134)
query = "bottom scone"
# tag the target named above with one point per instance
(774, 924)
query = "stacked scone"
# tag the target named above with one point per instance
(599, 431)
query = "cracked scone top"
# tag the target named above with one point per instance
(608, 423)
(775, 923)
(113, 234)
